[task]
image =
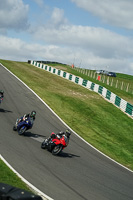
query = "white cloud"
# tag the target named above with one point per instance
(118, 13)
(13, 14)
(99, 41)
(131, 67)
(40, 2)
(57, 17)
(16, 49)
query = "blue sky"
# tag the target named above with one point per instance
(92, 34)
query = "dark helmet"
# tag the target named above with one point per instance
(33, 114)
(68, 133)
(1, 92)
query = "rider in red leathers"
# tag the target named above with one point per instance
(59, 135)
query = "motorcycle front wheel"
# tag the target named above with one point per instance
(22, 130)
(43, 145)
(57, 149)
(14, 128)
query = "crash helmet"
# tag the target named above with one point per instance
(1, 92)
(68, 133)
(33, 114)
(53, 136)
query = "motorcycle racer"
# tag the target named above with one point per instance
(29, 115)
(56, 142)
(1, 95)
(27, 118)
(59, 135)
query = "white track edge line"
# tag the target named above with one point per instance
(44, 196)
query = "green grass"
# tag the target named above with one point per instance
(125, 76)
(8, 177)
(87, 113)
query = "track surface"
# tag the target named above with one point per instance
(79, 173)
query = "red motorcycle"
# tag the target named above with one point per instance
(57, 142)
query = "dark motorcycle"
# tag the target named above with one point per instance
(23, 126)
(56, 145)
(1, 95)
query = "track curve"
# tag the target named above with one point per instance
(79, 173)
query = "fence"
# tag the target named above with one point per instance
(108, 95)
(111, 81)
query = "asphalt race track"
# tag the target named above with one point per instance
(79, 173)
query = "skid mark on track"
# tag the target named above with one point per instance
(39, 139)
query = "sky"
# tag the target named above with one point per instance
(91, 34)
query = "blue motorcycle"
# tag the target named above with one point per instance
(23, 126)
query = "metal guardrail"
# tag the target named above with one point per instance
(108, 95)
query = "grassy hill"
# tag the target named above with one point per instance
(96, 120)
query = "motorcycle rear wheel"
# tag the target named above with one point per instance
(22, 130)
(57, 149)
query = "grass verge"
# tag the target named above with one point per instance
(8, 177)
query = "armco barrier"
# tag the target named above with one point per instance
(108, 95)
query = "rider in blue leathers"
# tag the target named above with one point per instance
(27, 118)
